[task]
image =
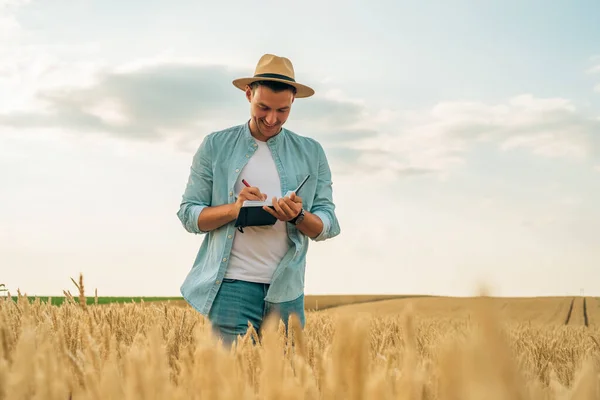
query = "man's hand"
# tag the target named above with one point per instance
(216, 216)
(286, 208)
(249, 193)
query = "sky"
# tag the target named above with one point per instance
(463, 138)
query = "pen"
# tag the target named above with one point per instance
(248, 185)
(302, 184)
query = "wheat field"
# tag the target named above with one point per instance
(478, 348)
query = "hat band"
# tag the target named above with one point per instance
(275, 76)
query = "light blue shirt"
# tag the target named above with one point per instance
(215, 168)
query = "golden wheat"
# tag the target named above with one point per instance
(151, 351)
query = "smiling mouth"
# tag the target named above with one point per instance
(269, 126)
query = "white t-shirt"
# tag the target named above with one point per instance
(258, 250)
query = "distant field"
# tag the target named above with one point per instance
(533, 310)
(312, 302)
(323, 302)
(58, 300)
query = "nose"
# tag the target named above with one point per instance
(271, 118)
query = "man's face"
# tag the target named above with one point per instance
(269, 110)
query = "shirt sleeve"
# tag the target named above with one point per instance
(323, 205)
(198, 191)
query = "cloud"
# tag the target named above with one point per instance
(179, 101)
(145, 104)
(12, 3)
(183, 101)
(152, 101)
(439, 139)
(594, 70)
(347, 160)
(29, 63)
(328, 110)
(10, 28)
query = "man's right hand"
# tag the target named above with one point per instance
(216, 216)
(249, 193)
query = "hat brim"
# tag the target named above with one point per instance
(301, 90)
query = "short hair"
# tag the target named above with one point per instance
(273, 85)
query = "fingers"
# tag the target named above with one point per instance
(285, 208)
(295, 198)
(252, 193)
(294, 203)
(277, 207)
(249, 196)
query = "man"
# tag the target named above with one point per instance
(241, 276)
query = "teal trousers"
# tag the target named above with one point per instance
(239, 302)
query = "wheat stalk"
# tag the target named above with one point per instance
(81, 290)
(130, 351)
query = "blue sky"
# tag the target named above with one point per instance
(464, 138)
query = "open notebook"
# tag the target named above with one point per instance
(252, 213)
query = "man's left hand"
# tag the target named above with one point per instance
(286, 208)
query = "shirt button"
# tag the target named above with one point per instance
(225, 259)
(229, 236)
(247, 156)
(218, 282)
(231, 193)
(237, 170)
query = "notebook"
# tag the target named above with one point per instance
(252, 213)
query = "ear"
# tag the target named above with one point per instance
(248, 93)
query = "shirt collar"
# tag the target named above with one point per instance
(272, 141)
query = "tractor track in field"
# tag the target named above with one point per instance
(570, 315)
(570, 311)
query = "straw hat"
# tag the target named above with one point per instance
(278, 69)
